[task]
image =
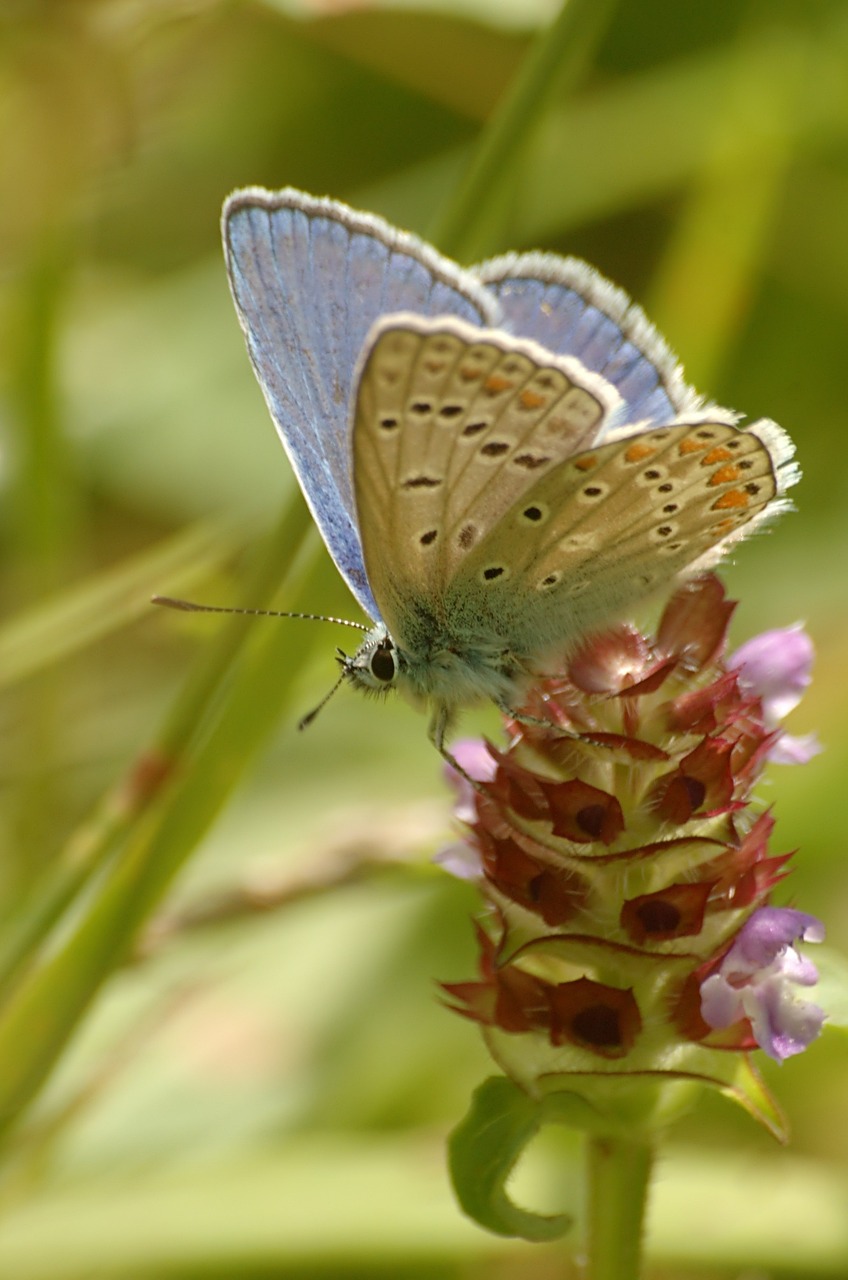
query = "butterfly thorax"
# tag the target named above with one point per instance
(438, 666)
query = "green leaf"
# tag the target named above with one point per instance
(485, 1148)
(748, 1089)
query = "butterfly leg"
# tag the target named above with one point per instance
(533, 721)
(439, 724)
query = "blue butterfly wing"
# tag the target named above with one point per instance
(571, 309)
(309, 277)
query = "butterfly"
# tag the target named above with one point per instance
(501, 460)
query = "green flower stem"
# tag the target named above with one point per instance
(618, 1174)
(150, 823)
(559, 56)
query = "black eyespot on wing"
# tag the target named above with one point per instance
(428, 538)
(494, 449)
(530, 461)
(494, 571)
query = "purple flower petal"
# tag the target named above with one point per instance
(758, 977)
(721, 1004)
(777, 667)
(461, 860)
(472, 755)
(764, 936)
(791, 749)
(792, 1023)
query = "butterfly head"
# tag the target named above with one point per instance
(375, 665)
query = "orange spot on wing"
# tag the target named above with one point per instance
(469, 373)
(434, 366)
(720, 453)
(733, 498)
(496, 383)
(531, 400)
(691, 445)
(724, 526)
(639, 451)
(587, 463)
(724, 475)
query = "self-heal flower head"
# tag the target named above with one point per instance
(757, 979)
(626, 867)
(777, 667)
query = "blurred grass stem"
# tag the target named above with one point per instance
(558, 58)
(229, 705)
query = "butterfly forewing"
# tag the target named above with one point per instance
(600, 530)
(309, 277)
(451, 425)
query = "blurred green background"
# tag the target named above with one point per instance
(264, 1085)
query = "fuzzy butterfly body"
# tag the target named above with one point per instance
(489, 500)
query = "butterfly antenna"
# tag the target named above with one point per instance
(310, 715)
(188, 606)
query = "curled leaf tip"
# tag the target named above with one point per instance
(484, 1149)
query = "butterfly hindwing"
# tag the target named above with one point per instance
(602, 529)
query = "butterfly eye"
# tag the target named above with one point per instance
(383, 662)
